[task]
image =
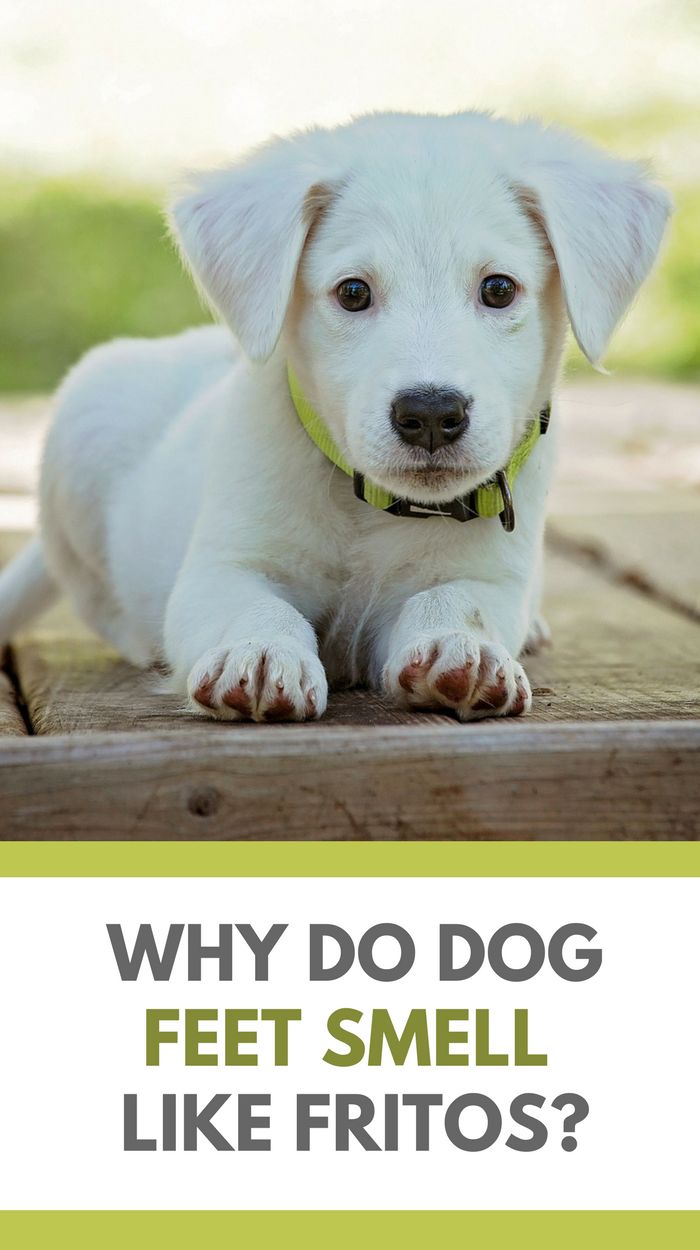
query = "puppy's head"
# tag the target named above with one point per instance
(418, 272)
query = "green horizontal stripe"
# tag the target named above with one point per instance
(350, 859)
(350, 1230)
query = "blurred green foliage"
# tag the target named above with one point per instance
(81, 262)
(661, 335)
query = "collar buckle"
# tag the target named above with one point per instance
(462, 509)
(507, 516)
(358, 485)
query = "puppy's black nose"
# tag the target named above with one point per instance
(429, 416)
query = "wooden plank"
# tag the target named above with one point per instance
(11, 720)
(605, 664)
(497, 781)
(616, 656)
(623, 436)
(651, 543)
(73, 688)
(627, 487)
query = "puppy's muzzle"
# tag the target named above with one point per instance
(430, 417)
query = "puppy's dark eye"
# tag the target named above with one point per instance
(497, 291)
(354, 295)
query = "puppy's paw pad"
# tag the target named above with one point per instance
(202, 682)
(414, 670)
(238, 698)
(523, 695)
(502, 688)
(456, 671)
(438, 672)
(261, 681)
(281, 708)
(454, 685)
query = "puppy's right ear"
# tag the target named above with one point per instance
(241, 231)
(604, 219)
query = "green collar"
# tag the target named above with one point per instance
(491, 499)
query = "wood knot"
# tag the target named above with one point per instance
(204, 801)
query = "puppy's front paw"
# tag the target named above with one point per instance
(261, 681)
(475, 679)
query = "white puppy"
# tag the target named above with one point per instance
(399, 288)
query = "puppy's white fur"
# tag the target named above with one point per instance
(185, 510)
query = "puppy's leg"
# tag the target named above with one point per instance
(453, 647)
(539, 635)
(240, 650)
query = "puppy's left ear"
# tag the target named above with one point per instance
(604, 220)
(241, 231)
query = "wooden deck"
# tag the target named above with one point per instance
(611, 749)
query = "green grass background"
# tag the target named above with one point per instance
(82, 261)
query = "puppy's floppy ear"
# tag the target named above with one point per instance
(604, 220)
(241, 231)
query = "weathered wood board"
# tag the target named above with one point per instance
(652, 542)
(524, 782)
(616, 656)
(11, 719)
(112, 760)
